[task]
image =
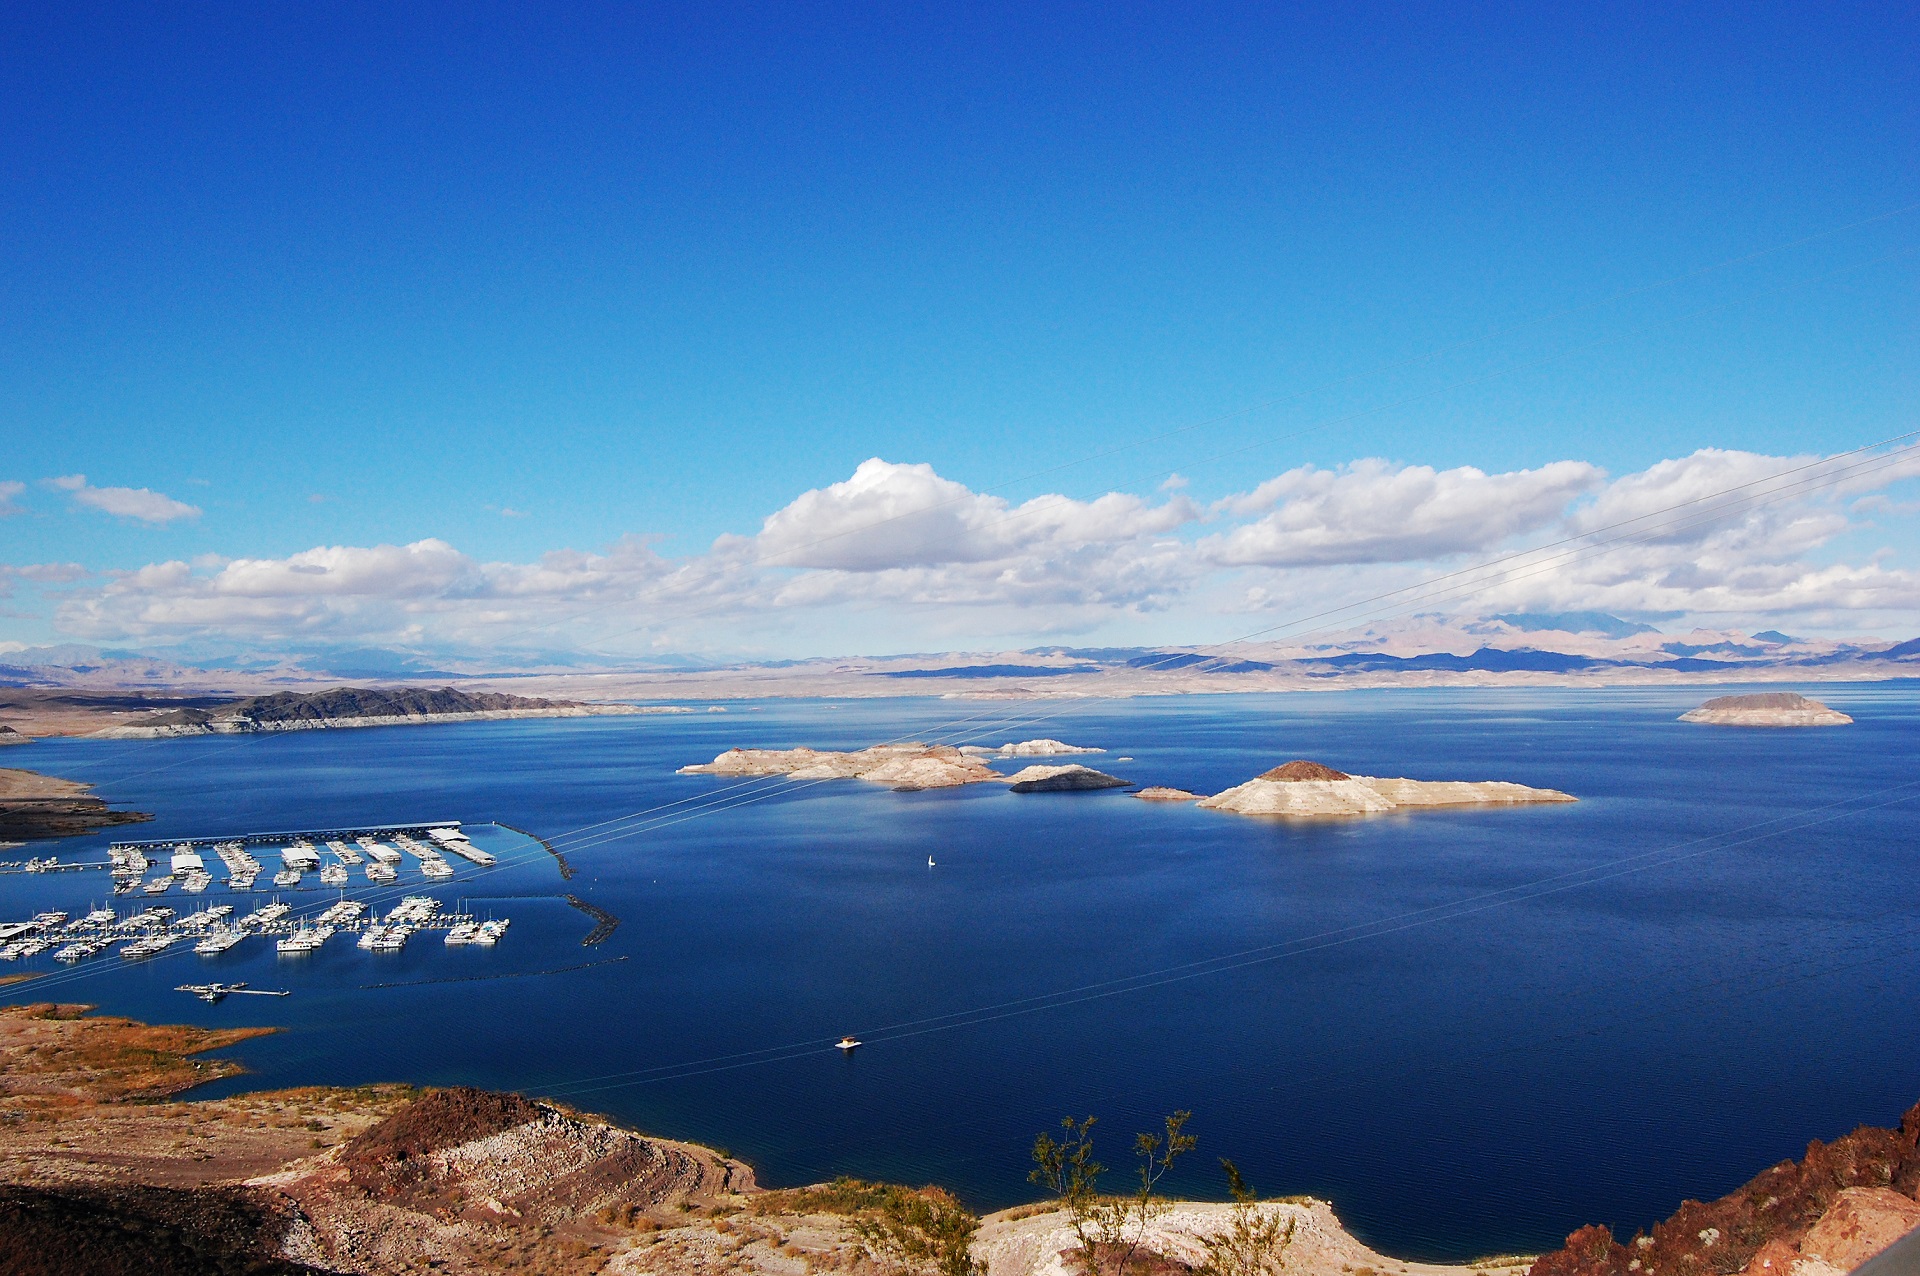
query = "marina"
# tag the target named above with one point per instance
(381, 852)
(216, 930)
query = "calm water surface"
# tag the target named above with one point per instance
(1472, 1031)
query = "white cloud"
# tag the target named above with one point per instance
(890, 516)
(1371, 511)
(139, 503)
(10, 490)
(900, 549)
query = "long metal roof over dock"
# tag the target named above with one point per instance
(311, 835)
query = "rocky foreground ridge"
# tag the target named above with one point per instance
(357, 707)
(103, 1172)
(1766, 709)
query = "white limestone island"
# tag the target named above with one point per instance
(1028, 749)
(908, 766)
(1305, 788)
(1766, 709)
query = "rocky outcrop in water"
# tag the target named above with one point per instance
(1161, 793)
(1766, 709)
(1303, 788)
(1062, 779)
(1822, 1215)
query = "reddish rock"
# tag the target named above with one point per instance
(1301, 769)
(1775, 1258)
(1861, 1223)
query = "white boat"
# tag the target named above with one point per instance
(347, 910)
(305, 940)
(287, 877)
(848, 1044)
(48, 919)
(196, 881)
(435, 867)
(488, 932)
(333, 875)
(12, 951)
(79, 950)
(148, 947)
(378, 872)
(125, 885)
(34, 947)
(463, 933)
(393, 939)
(344, 853)
(270, 913)
(219, 941)
(158, 886)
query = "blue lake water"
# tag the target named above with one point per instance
(1472, 1031)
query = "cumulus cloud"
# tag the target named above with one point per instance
(1371, 511)
(10, 490)
(139, 503)
(901, 516)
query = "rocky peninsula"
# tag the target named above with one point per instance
(1303, 788)
(1766, 709)
(34, 806)
(359, 707)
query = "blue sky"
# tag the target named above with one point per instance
(521, 281)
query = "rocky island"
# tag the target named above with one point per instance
(899, 766)
(908, 766)
(1766, 709)
(1062, 779)
(1308, 788)
(1026, 749)
(358, 707)
(34, 806)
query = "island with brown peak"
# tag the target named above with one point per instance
(1766, 709)
(1303, 788)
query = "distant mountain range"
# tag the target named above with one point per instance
(1530, 647)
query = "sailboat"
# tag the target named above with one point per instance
(929, 861)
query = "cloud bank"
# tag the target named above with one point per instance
(1716, 534)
